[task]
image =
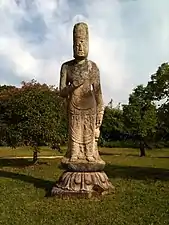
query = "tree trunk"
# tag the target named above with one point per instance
(35, 156)
(142, 149)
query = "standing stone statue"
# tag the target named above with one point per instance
(80, 85)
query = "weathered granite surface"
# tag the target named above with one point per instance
(80, 85)
(83, 184)
(82, 165)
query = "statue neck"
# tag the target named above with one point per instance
(80, 61)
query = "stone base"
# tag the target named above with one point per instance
(82, 165)
(82, 184)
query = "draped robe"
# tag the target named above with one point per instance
(85, 104)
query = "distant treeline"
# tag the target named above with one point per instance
(35, 115)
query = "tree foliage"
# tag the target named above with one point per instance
(112, 126)
(33, 115)
(140, 117)
(159, 84)
(159, 90)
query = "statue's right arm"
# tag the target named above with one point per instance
(64, 86)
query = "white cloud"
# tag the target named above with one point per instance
(128, 39)
(25, 63)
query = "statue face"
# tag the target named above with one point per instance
(80, 48)
(80, 41)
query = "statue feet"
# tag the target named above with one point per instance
(73, 159)
(82, 165)
(90, 159)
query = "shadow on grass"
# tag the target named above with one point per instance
(162, 157)
(37, 182)
(117, 154)
(18, 163)
(138, 173)
(108, 153)
(130, 155)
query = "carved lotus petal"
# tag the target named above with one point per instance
(65, 177)
(77, 179)
(88, 179)
(102, 177)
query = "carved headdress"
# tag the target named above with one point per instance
(80, 35)
(80, 30)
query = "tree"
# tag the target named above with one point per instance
(34, 115)
(163, 124)
(6, 87)
(140, 117)
(112, 125)
(4, 91)
(159, 91)
(159, 84)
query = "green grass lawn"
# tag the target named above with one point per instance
(27, 151)
(141, 197)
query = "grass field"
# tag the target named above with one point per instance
(27, 151)
(141, 198)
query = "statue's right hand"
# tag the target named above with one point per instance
(77, 83)
(72, 87)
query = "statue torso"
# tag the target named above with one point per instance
(81, 98)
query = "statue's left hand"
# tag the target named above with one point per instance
(97, 133)
(99, 120)
(98, 124)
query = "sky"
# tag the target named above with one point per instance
(129, 40)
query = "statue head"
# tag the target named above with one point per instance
(80, 41)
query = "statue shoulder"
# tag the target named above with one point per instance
(93, 64)
(94, 68)
(66, 64)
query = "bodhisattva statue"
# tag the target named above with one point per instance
(80, 85)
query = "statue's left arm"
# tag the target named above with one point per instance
(98, 96)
